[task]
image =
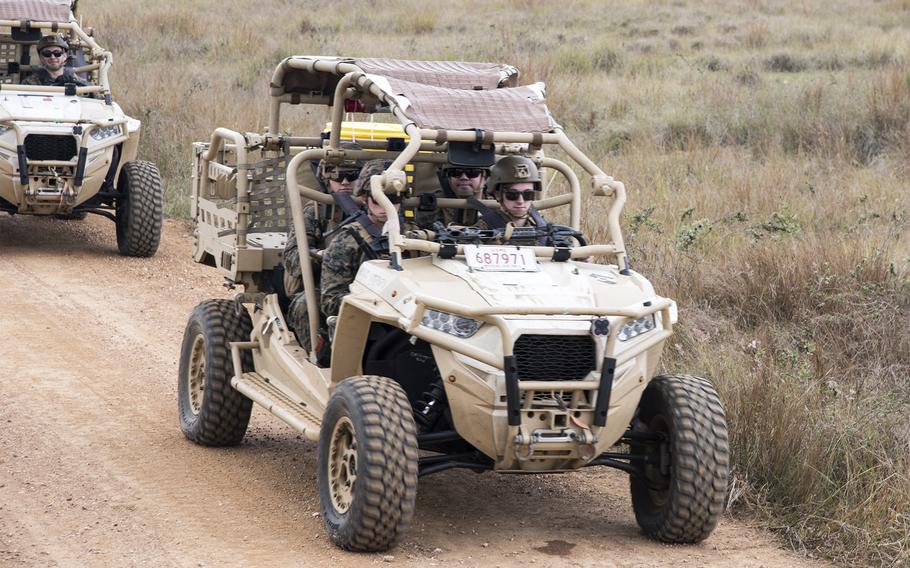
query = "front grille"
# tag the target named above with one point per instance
(554, 357)
(50, 147)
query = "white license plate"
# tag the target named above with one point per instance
(500, 259)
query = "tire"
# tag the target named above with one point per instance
(367, 465)
(681, 500)
(212, 412)
(140, 207)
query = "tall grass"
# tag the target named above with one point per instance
(765, 149)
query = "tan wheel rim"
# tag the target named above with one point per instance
(196, 379)
(342, 464)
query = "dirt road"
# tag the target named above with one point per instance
(95, 472)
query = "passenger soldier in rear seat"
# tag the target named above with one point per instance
(354, 243)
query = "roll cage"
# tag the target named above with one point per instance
(24, 22)
(420, 97)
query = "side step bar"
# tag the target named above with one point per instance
(261, 391)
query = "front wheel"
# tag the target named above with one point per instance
(212, 412)
(367, 466)
(678, 494)
(140, 209)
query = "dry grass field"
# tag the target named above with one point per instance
(765, 145)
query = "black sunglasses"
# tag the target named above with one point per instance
(342, 175)
(468, 172)
(513, 195)
(52, 54)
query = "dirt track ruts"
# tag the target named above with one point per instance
(95, 472)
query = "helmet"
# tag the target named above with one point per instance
(347, 163)
(52, 40)
(370, 169)
(513, 169)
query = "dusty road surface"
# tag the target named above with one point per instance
(95, 472)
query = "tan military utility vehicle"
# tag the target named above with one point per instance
(460, 350)
(67, 149)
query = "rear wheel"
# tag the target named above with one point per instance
(367, 470)
(212, 412)
(678, 496)
(140, 209)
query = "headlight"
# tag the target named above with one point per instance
(635, 328)
(450, 323)
(104, 132)
(4, 129)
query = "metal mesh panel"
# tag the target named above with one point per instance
(50, 147)
(268, 196)
(9, 53)
(554, 357)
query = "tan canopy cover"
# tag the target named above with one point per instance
(450, 95)
(515, 109)
(36, 10)
(450, 74)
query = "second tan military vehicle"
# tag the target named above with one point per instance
(67, 149)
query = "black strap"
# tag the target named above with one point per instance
(444, 183)
(364, 246)
(539, 222)
(538, 219)
(490, 217)
(352, 209)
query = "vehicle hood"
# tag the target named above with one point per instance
(556, 284)
(59, 108)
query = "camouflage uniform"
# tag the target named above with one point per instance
(482, 224)
(315, 227)
(341, 261)
(461, 217)
(529, 222)
(42, 77)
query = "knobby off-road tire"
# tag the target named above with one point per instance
(212, 412)
(367, 465)
(682, 503)
(140, 209)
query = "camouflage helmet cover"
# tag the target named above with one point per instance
(370, 169)
(52, 40)
(513, 169)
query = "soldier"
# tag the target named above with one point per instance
(52, 51)
(515, 183)
(343, 256)
(464, 183)
(354, 246)
(320, 219)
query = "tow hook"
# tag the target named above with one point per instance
(519, 442)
